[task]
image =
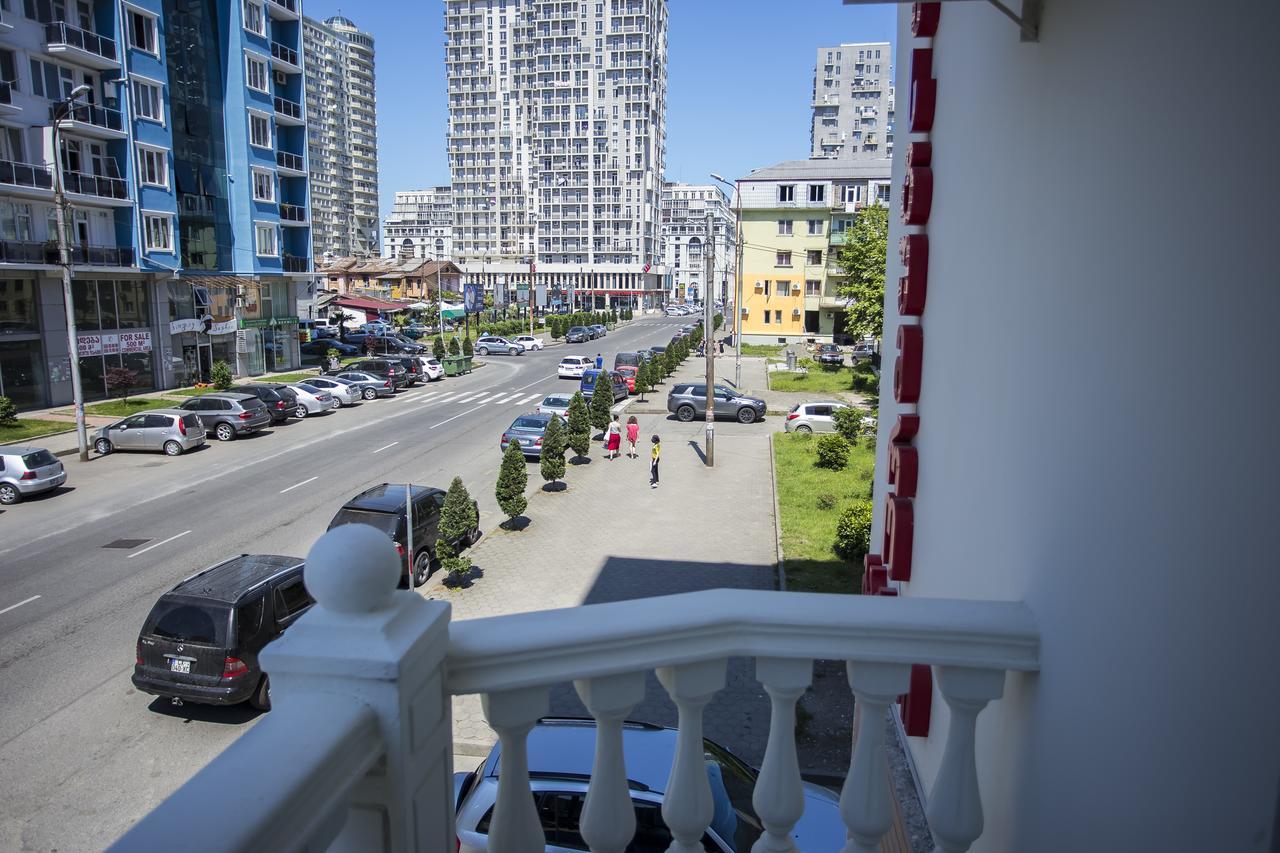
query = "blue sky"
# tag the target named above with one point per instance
(740, 73)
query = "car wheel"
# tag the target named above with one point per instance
(300, 412)
(172, 448)
(102, 446)
(804, 428)
(225, 432)
(370, 393)
(9, 494)
(421, 568)
(685, 413)
(482, 351)
(746, 415)
(261, 698)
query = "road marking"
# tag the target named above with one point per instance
(385, 446)
(455, 417)
(507, 399)
(296, 485)
(19, 604)
(157, 545)
(531, 398)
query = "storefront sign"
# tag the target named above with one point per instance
(88, 345)
(269, 322)
(226, 327)
(194, 324)
(135, 341)
(202, 324)
(114, 343)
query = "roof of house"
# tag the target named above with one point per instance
(823, 169)
(389, 268)
(367, 303)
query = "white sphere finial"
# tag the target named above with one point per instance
(353, 568)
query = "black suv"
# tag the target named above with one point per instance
(412, 368)
(281, 401)
(578, 335)
(200, 642)
(384, 368)
(383, 507)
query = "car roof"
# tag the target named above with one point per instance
(566, 748)
(385, 497)
(178, 412)
(538, 416)
(229, 580)
(22, 451)
(824, 403)
(228, 395)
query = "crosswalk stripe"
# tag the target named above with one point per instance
(471, 397)
(530, 398)
(506, 399)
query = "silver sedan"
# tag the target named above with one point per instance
(312, 401)
(345, 392)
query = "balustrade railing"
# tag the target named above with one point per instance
(26, 175)
(284, 106)
(95, 185)
(289, 160)
(357, 751)
(60, 32)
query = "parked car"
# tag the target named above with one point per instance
(344, 392)
(555, 404)
(229, 415)
(27, 471)
(560, 755)
(862, 351)
(280, 406)
(629, 359)
(688, 401)
(201, 640)
(370, 385)
(588, 384)
(527, 431)
(629, 373)
(318, 351)
(658, 350)
(432, 369)
(817, 416)
(312, 401)
(173, 431)
(383, 507)
(387, 368)
(577, 335)
(487, 344)
(835, 358)
(572, 366)
(529, 342)
(377, 327)
(413, 370)
(599, 330)
(386, 344)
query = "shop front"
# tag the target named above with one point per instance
(22, 357)
(114, 336)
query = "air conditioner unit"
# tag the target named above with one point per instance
(795, 312)
(281, 78)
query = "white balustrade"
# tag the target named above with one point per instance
(778, 797)
(513, 714)
(688, 807)
(608, 819)
(865, 800)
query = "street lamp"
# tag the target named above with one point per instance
(61, 110)
(737, 280)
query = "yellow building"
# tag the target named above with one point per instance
(793, 217)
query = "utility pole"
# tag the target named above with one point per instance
(707, 321)
(61, 111)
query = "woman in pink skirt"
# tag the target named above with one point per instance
(613, 438)
(633, 435)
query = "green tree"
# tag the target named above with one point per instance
(457, 519)
(220, 375)
(863, 257)
(579, 425)
(602, 401)
(553, 443)
(513, 476)
(437, 349)
(853, 531)
(8, 412)
(848, 423)
(467, 347)
(455, 348)
(644, 379)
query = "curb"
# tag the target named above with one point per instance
(777, 517)
(476, 748)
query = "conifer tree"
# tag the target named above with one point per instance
(602, 400)
(457, 519)
(553, 450)
(513, 476)
(579, 425)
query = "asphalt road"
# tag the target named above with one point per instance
(82, 754)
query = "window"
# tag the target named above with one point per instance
(783, 260)
(784, 227)
(51, 81)
(259, 130)
(814, 257)
(9, 69)
(153, 166)
(255, 72)
(882, 194)
(766, 290)
(254, 21)
(817, 192)
(852, 193)
(264, 185)
(291, 599)
(766, 318)
(777, 317)
(786, 192)
(812, 287)
(815, 226)
(265, 238)
(159, 232)
(142, 32)
(148, 101)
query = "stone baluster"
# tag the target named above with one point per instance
(608, 818)
(512, 714)
(688, 807)
(865, 801)
(778, 798)
(955, 804)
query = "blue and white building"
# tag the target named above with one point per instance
(186, 180)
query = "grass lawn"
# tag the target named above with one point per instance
(824, 381)
(762, 349)
(124, 408)
(27, 428)
(808, 530)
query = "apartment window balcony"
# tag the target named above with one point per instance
(292, 214)
(80, 46)
(102, 256)
(293, 263)
(26, 179)
(92, 120)
(26, 252)
(6, 97)
(286, 58)
(287, 111)
(112, 191)
(285, 10)
(291, 164)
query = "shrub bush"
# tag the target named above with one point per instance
(853, 531)
(848, 423)
(467, 347)
(864, 380)
(513, 476)
(8, 412)
(220, 375)
(437, 348)
(833, 452)
(826, 501)
(455, 348)
(553, 442)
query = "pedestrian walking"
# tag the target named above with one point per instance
(654, 455)
(613, 438)
(633, 433)
(599, 361)
(722, 346)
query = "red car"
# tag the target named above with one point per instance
(628, 372)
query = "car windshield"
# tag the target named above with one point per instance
(384, 521)
(188, 622)
(558, 402)
(529, 423)
(38, 459)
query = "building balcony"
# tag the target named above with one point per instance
(28, 252)
(93, 121)
(6, 98)
(284, 10)
(96, 189)
(292, 214)
(102, 256)
(357, 751)
(80, 46)
(295, 264)
(26, 179)
(285, 58)
(287, 111)
(290, 164)
(836, 238)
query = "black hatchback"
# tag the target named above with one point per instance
(279, 400)
(201, 640)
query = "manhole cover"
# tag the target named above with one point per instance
(125, 544)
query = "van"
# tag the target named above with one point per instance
(588, 385)
(627, 359)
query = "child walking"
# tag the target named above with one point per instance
(653, 462)
(633, 434)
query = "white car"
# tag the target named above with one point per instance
(312, 402)
(571, 366)
(555, 404)
(529, 342)
(432, 369)
(346, 393)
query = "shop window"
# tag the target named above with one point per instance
(18, 306)
(133, 312)
(84, 294)
(107, 305)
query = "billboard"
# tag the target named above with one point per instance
(473, 298)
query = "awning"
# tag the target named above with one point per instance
(418, 306)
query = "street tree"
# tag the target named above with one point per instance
(467, 347)
(437, 348)
(579, 425)
(863, 257)
(455, 348)
(457, 519)
(513, 476)
(553, 443)
(602, 400)
(121, 380)
(644, 383)
(220, 375)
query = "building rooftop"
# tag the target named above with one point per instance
(823, 169)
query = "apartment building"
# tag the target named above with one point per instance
(852, 101)
(684, 238)
(420, 225)
(342, 137)
(175, 125)
(793, 220)
(556, 147)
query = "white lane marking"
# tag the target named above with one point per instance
(469, 397)
(455, 417)
(303, 483)
(536, 382)
(385, 446)
(531, 398)
(432, 402)
(506, 399)
(158, 544)
(19, 604)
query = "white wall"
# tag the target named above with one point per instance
(1099, 417)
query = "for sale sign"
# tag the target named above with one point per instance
(135, 341)
(89, 345)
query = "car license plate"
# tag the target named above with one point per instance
(182, 666)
